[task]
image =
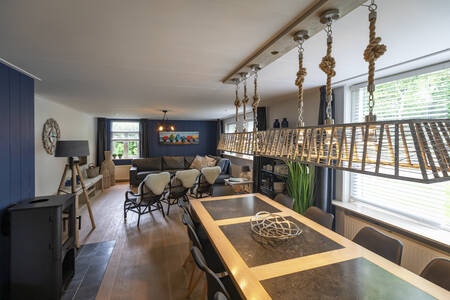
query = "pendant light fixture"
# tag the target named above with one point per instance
(164, 125)
(413, 150)
(256, 99)
(244, 100)
(237, 102)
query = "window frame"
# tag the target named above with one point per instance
(126, 140)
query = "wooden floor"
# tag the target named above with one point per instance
(146, 262)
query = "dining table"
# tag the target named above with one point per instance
(317, 264)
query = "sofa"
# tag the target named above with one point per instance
(143, 166)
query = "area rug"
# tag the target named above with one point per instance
(90, 266)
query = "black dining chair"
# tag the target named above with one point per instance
(146, 200)
(380, 243)
(180, 183)
(220, 296)
(215, 283)
(285, 200)
(208, 176)
(438, 272)
(199, 239)
(319, 216)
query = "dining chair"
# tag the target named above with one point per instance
(179, 185)
(199, 239)
(207, 178)
(215, 282)
(438, 272)
(148, 197)
(380, 243)
(319, 216)
(285, 200)
(220, 296)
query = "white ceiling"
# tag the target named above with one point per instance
(119, 58)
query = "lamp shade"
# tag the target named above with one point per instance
(71, 148)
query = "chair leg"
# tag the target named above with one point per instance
(168, 206)
(194, 285)
(161, 208)
(139, 216)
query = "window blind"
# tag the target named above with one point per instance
(420, 96)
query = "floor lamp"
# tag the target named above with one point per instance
(71, 150)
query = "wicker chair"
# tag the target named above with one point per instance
(205, 181)
(179, 186)
(148, 197)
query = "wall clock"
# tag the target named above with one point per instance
(50, 135)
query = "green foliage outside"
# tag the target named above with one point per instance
(300, 185)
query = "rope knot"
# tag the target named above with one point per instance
(245, 100)
(327, 65)
(301, 74)
(374, 50)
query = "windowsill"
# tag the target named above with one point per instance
(238, 155)
(426, 233)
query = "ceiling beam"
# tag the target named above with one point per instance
(283, 41)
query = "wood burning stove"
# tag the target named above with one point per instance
(42, 247)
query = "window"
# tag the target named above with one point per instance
(230, 128)
(125, 139)
(249, 126)
(419, 96)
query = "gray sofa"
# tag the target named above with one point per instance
(143, 166)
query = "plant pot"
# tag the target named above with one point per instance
(276, 124)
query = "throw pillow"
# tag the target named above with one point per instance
(199, 163)
(211, 161)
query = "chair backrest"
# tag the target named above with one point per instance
(285, 200)
(186, 219)
(319, 216)
(220, 296)
(438, 272)
(187, 177)
(210, 174)
(214, 282)
(380, 243)
(157, 183)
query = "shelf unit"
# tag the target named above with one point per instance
(267, 176)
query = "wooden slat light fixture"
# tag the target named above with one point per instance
(413, 150)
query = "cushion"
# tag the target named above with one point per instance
(187, 177)
(211, 173)
(188, 161)
(157, 182)
(199, 163)
(148, 164)
(224, 164)
(211, 161)
(173, 162)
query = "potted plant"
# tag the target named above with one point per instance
(120, 155)
(114, 155)
(300, 185)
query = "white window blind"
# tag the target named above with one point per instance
(420, 96)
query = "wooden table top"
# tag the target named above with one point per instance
(318, 264)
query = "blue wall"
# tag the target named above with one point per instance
(16, 151)
(207, 145)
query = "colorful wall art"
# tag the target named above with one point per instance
(179, 137)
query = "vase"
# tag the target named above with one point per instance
(276, 124)
(108, 170)
(284, 123)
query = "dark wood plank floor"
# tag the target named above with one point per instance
(146, 262)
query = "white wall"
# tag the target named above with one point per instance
(287, 108)
(74, 125)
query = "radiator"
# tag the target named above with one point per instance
(416, 255)
(123, 172)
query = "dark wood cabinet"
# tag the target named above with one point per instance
(271, 176)
(42, 247)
